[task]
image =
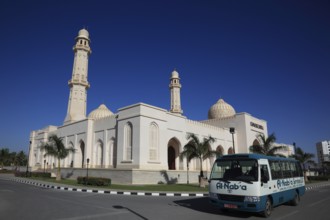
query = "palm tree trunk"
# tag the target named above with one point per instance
(58, 175)
(201, 162)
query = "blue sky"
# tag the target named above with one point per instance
(268, 58)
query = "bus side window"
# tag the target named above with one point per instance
(272, 169)
(294, 170)
(264, 173)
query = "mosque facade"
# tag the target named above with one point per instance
(140, 143)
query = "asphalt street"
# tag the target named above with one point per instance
(23, 201)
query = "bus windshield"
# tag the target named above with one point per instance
(245, 170)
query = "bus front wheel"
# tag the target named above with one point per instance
(268, 208)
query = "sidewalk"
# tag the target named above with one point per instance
(58, 186)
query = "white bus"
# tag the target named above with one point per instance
(255, 183)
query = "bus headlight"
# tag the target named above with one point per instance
(252, 199)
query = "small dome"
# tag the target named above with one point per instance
(83, 33)
(175, 74)
(221, 109)
(101, 112)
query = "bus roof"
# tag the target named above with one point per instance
(254, 156)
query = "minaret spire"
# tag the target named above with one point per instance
(175, 87)
(78, 83)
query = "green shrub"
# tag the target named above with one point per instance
(94, 181)
(33, 174)
(318, 178)
(6, 171)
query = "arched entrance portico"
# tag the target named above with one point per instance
(173, 154)
(171, 158)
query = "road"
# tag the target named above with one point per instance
(22, 201)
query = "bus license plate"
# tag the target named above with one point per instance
(230, 206)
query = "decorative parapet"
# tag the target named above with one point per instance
(106, 117)
(204, 125)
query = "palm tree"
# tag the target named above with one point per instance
(197, 149)
(56, 148)
(266, 147)
(304, 158)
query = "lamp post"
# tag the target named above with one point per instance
(47, 165)
(87, 171)
(44, 166)
(232, 131)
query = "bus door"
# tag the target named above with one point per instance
(265, 184)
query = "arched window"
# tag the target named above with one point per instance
(70, 156)
(153, 141)
(220, 151)
(128, 141)
(99, 154)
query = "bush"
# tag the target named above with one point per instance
(33, 174)
(6, 171)
(94, 181)
(318, 178)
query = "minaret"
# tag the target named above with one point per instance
(175, 87)
(78, 83)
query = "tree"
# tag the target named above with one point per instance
(197, 149)
(4, 157)
(21, 159)
(55, 147)
(267, 146)
(304, 158)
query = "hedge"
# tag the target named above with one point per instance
(33, 174)
(94, 181)
(320, 178)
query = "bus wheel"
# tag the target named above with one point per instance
(295, 201)
(268, 209)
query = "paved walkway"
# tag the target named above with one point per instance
(59, 186)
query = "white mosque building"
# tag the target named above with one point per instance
(140, 143)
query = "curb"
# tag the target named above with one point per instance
(136, 193)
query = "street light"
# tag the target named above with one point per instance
(47, 165)
(87, 171)
(232, 131)
(44, 166)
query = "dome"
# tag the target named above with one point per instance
(175, 74)
(101, 112)
(83, 33)
(221, 109)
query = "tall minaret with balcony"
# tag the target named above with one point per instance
(175, 87)
(78, 83)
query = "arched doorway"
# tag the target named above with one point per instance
(82, 149)
(171, 158)
(173, 149)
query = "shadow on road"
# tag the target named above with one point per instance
(130, 210)
(203, 205)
